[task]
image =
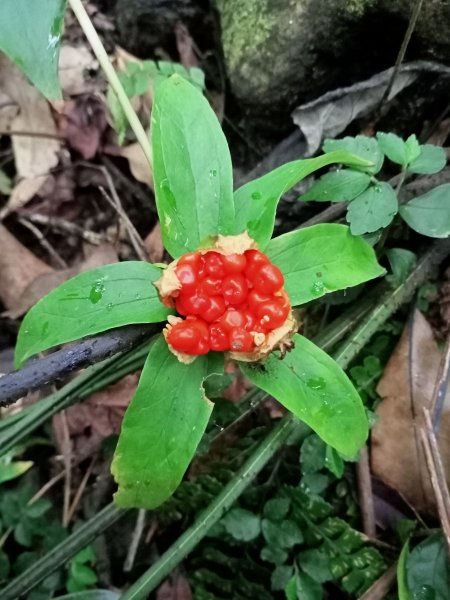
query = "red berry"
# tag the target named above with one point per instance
(192, 304)
(234, 289)
(188, 277)
(211, 286)
(191, 258)
(250, 320)
(218, 338)
(234, 263)
(268, 279)
(254, 259)
(184, 336)
(273, 313)
(255, 299)
(232, 318)
(240, 340)
(214, 265)
(215, 309)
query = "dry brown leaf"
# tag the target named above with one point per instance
(185, 46)
(138, 162)
(18, 267)
(154, 245)
(74, 62)
(84, 122)
(100, 416)
(406, 387)
(8, 110)
(45, 282)
(34, 156)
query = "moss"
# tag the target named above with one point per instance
(243, 24)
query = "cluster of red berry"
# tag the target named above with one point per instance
(226, 299)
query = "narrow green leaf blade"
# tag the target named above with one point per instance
(402, 585)
(338, 186)
(429, 214)
(30, 33)
(363, 146)
(321, 259)
(431, 159)
(393, 147)
(256, 202)
(162, 427)
(103, 298)
(373, 209)
(192, 168)
(312, 385)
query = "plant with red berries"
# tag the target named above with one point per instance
(227, 295)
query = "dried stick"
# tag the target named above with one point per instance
(365, 493)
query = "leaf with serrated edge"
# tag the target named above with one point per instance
(162, 427)
(30, 34)
(338, 186)
(363, 146)
(431, 159)
(311, 385)
(191, 167)
(429, 214)
(321, 259)
(373, 209)
(393, 147)
(97, 300)
(256, 201)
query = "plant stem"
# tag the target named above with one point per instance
(63, 552)
(111, 75)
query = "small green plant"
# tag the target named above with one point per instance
(200, 216)
(374, 203)
(138, 78)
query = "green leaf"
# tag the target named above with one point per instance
(373, 209)
(412, 148)
(316, 563)
(428, 570)
(256, 202)
(431, 159)
(282, 534)
(191, 166)
(110, 296)
(338, 186)
(5, 184)
(312, 385)
(334, 462)
(274, 555)
(38, 508)
(276, 508)
(30, 34)
(429, 214)
(321, 259)
(4, 565)
(312, 454)
(242, 524)
(280, 577)
(302, 587)
(365, 147)
(23, 534)
(82, 574)
(393, 147)
(12, 469)
(162, 427)
(91, 595)
(402, 263)
(402, 585)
